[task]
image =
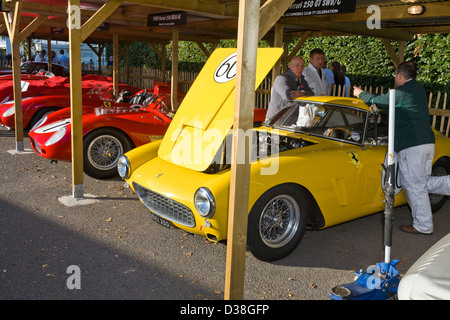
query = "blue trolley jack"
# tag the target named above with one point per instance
(379, 282)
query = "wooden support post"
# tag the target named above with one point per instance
(101, 46)
(277, 42)
(12, 20)
(247, 45)
(29, 48)
(77, 34)
(115, 62)
(49, 54)
(127, 64)
(74, 21)
(174, 81)
(401, 51)
(396, 58)
(99, 53)
(164, 62)
(249, 33)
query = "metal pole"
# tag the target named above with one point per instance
(390, 181)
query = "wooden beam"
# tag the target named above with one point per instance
(355, 29)
(76, 97)
(174, 80)
(203, 49)
(390, 51)
(162, 55)
(270, 13)
(247, 45)
(99, 53)
(99, 17)
(210, 6)
(28, 30)
(297, 47)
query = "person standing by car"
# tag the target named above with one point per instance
(62, 59)
(289, 85)
(314, 73)
(41, 56)
(414, 144)
(338, 77)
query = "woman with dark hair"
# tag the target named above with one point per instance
(339, 78)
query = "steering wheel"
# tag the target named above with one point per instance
(159, 103)
(162, 105)
(340, 129)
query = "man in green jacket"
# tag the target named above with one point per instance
(414, 145)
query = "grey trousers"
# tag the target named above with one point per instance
(415, 165)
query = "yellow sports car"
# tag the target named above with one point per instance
(318, 162)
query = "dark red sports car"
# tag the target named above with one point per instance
(34, 67)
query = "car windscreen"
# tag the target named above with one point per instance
(27, 67)
(332, 121)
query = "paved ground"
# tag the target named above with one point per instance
(123, 254)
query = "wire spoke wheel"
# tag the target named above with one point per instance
(440, 168)
(104, 152)
(279, 221)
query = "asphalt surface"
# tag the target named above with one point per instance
(123, 254)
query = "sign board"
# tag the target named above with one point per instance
(104, 26)
(319, 7)
(56, 30)
(173, 18)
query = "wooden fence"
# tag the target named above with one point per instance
(437, 107)
(144, 78)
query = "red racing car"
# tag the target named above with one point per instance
(108, 132)
(33, 85)
(34, 108)
(34, 67)
(43, 97)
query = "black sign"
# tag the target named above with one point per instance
(165, 19)
(318, 7)
(55, 30)
(103, 27)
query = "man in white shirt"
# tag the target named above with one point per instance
(314, 74)
(41, 56)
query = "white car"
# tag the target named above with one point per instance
(429, 277)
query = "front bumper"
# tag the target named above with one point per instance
(168, 190)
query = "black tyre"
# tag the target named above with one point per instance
(39, 115)
(102, 149)
(277, 222)
(440, 168)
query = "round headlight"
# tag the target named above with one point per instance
(56, 136)
(204, 202)
(9, 112)
(123, 167)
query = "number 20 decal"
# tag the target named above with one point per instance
(226, 71)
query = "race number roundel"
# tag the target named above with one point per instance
(226, 71)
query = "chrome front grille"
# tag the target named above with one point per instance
(165, 207)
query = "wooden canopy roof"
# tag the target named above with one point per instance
(213, 20)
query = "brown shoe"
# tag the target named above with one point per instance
(412, 230)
